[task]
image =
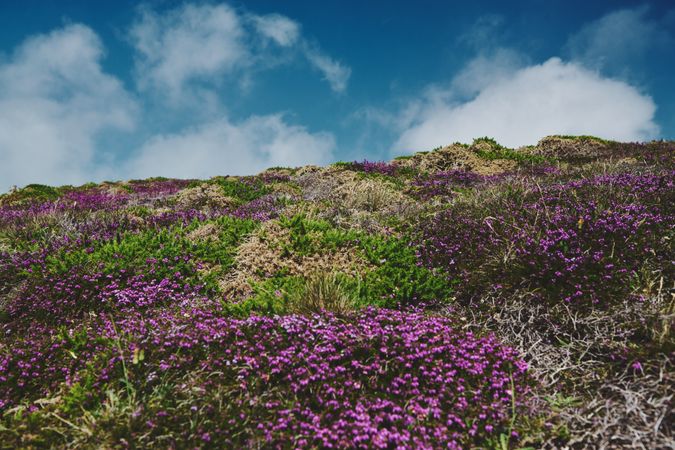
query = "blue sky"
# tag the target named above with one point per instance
(117, 90)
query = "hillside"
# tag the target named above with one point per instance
(473, 296)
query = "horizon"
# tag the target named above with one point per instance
(198, 89)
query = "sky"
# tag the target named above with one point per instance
(117, 90)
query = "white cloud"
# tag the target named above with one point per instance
(186, 44)
(59, 109)
(280, 29)
(225, 147)
(520, 107)
(209, 43)
(54, 101)
(334, 72)
(620, 37)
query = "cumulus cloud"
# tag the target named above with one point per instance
(55, 100)
(210, 43)
(226, 147)
(519, 107)
(617, 38)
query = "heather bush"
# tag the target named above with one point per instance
(443, 184)
(374, 379)
(387, 172)
(583, 242)
(154, 254)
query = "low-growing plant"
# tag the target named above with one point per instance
(398, 277)
(372, 377)
(497, 151)
(566, 242)
(244, 189)
(310, 236)
(323, 292)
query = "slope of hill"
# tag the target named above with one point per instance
(473, 296)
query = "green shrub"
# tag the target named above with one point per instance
(498, 151)
(397, 278)
(159, 252)
(311, 236)
(271, 296)
(244, 189)
(33, 193)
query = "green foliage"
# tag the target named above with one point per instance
(271, 296)
(244, 191)
(498, 151)
(159, 252)
(139, 211)
(342, 164)
(281, 168)
(33, 193)
(148, 180)
(310, 236)
(397, 278)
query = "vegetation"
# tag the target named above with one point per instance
(419, 303)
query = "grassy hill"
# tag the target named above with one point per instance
(474, 296)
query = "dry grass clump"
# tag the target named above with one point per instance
(205, 195)
(457, 157)
(318, 184)
(323, 291)
(352, 201)
(367, 204)
(207, 232)
(369, 195)
(262, 256)
(285, 190)
(570, 147)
